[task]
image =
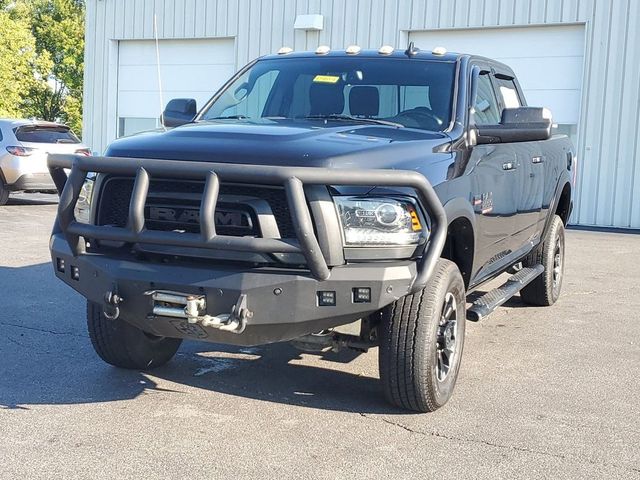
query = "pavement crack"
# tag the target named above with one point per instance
(516, 448)
(38, 352)
(41, 330)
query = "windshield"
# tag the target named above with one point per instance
(403, 92)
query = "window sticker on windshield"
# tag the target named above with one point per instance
(326, 79)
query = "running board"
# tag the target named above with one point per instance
(487, 303)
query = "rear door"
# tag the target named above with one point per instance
(494, 180)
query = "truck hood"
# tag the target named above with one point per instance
(290, 143)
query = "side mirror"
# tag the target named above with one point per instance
(522, 124)
(178, 112)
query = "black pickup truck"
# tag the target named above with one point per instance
(330, 198)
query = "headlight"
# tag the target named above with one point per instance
(377, 221)
(83, 206)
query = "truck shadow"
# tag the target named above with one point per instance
(280, 374)
(48, 360)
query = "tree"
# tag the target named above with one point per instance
(19, 61)
(58, 28)
(41, 59)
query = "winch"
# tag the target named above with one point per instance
(193, 308)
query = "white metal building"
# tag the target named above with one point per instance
(580, 58)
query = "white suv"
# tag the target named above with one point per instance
(24, 145)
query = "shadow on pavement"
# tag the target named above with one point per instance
(48, 359)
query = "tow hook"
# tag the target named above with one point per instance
(193, 308)
(110, 307)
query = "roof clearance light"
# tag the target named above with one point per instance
(322, 50)
(353, 50)
(386, 50)
(439, 51)
(285, 50)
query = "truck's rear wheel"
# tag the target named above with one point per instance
(545, 289)
(421, 342)
(125, 346)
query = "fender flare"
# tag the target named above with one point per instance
(460, 207)
(553, 206)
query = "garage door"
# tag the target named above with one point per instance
(548, 62)
(189, 69)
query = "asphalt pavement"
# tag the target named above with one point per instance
(542, 392)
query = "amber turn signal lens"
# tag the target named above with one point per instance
(416, 226)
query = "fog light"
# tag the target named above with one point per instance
(75, 273)
(60, 264)
(362, 295)
(327, 298)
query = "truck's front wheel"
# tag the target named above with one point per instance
(421, 341)
(125, 346)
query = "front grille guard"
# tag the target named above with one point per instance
(293, 179)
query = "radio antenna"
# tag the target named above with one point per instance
(155, 35)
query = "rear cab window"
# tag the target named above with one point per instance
(508, 91)
(45, 134)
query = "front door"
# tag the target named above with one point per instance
(531, 173)
(494, 175)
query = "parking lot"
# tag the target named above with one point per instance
(543, 392)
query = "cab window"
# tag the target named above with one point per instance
(249, 100)
(508, 92)
(487, 111)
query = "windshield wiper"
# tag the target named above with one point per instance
(230, 117)
(349, 118)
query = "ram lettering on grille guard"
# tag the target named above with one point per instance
(293, 179)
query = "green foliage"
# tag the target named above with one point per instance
(58, 26)
(18, 61)
(49, 37)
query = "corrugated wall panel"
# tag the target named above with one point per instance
(627, 190)
(608, 191)
(593, 106)
(608, 155)
(97, 99)
(628, 122)
(89, 111)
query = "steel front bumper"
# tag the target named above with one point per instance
(261, 304)
(281, 304)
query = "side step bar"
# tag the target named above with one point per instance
(487, 303)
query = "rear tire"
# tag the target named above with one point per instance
(4, 193)
(123, 345)
(421, 342)
(545, 290)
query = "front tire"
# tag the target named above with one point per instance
(545, 290)
(123, 345)
(421, 342)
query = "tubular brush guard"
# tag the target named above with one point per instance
(293, 179)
